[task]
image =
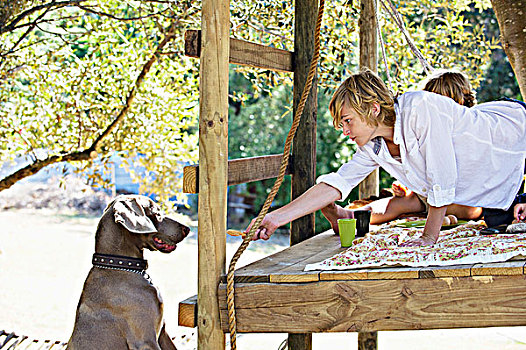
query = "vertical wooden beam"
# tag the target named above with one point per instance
(370, 185)
(213, 174)
(304, 146)
(369, 59)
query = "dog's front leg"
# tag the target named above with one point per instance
(165, 341)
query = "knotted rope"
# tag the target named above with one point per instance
(277, 184)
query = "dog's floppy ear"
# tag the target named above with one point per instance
(132, 212)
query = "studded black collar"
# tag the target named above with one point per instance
(119, 262)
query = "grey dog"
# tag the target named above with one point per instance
(119, 307)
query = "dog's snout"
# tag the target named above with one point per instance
(185, 230)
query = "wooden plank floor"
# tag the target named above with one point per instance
(287, 266)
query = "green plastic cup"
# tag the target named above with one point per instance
(347, 229)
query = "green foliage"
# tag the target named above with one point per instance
(499, 80)
(439, 29)
(66, 78)
(70, 78)
(465, 5)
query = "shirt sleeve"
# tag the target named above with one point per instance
(350, 174)
(434, 127)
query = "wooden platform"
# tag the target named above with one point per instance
(275, 295)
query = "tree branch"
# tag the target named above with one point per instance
(131, 95)
(57, 4)
(45, 21)
(91, 152)
(59, 35)
(38, 165)
(29, 30)
(11, 72)
(265, 30)
(123, 19)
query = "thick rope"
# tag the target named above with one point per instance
(277, 184)
(395, 15)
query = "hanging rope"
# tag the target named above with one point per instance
(397, 18)
(379, 28)
(284, 163)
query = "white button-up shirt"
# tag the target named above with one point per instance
(448, 153)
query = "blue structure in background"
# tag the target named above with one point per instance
(120, 179)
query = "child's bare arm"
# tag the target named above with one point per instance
(315, 198)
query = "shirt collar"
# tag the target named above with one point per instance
(397, 137)
(377, 144)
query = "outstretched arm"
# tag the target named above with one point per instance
(315, 198)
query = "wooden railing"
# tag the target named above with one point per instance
(240, 171)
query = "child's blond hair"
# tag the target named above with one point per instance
(360, 91)
(453, 84)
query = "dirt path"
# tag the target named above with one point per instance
(44, 259)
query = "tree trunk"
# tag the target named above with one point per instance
(511, 15)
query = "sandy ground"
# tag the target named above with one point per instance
(44, 259)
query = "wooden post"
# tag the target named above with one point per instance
(213, 174)
(304, 146)
(370, 185)
(369, 59)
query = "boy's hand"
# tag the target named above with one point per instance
(266, 228)
(435, 217)
(421, 241)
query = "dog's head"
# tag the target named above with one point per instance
(142, 217)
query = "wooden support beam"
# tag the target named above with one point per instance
(240, 171)
(187, 315)
(374, 305)
(245, 53)
(369, 58)
(188, 307)
(304, 144)
(213, 158)
(370, 186)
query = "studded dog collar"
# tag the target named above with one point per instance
(119, 262)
